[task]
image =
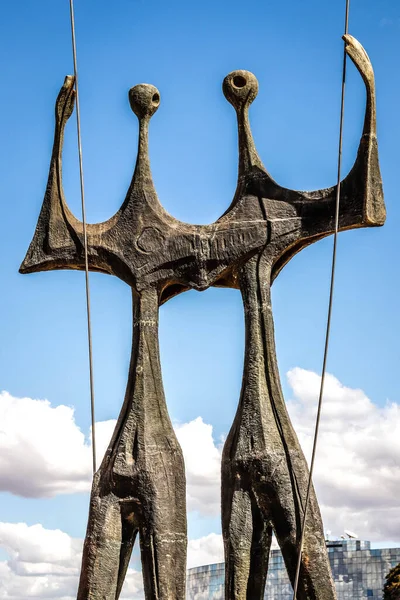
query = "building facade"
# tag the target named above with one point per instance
(358, 571)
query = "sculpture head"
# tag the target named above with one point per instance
(144, 100)
(240, 88)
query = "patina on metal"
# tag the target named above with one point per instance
(140, 485)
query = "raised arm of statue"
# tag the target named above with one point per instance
(58, 239)
(361, 192)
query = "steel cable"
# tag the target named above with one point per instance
(85, 245)
(330, 304)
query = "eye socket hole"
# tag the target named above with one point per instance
(156, 99)
(239, 81)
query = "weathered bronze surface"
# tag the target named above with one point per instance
(140, 485)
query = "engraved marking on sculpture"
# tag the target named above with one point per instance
(140, 485)
(150, 239)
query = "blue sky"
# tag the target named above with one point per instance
(186, 49)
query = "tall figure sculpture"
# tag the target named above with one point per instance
(264, 472)
(140, 485)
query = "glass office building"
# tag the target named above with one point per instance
(358, 571)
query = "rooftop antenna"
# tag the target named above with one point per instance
(351, 535)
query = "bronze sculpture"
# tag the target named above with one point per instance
(140, 486)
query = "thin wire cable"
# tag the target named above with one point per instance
(85, 245)
(330, 304)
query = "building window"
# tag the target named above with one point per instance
(370, 593)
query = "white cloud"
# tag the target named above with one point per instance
(203, 466)
(357, 469)
(42, 451)
(35, 550)
(45, 564)
(205, 551)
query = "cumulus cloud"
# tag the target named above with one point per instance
(203, 466)
(357, 470)
(43, 453)
(205, 551)
(38, 551)
(45, 563)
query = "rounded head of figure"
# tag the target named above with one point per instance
(144, 100)
(240, 88)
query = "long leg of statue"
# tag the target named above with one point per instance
(247, 538)
(237, 528)
(259, 558)
(282, 507)
(315, 578)
(162, 568)
(107, 549)
(128, 538)
(140, 485)
(263, 451)
(287, 487)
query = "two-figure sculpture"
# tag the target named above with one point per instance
(140, 485)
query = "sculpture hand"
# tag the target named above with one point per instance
(361, 59)
(66, 100)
